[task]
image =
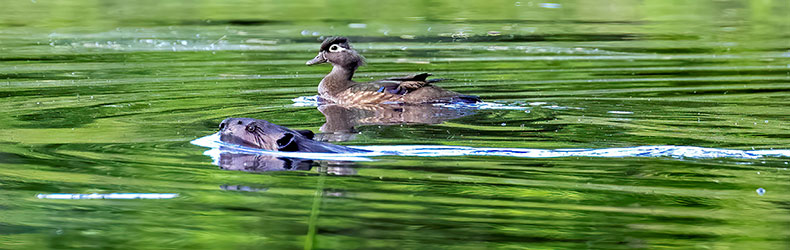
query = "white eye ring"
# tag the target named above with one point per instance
(335, 48)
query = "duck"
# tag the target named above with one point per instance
(338, 87)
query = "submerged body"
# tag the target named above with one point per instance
(337, 86)
(262, 134)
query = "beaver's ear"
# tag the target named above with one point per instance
(306, 133)
(287, 143)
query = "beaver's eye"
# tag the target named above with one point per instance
(334, 48)
(251, 128)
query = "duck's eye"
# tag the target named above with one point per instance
(251, 128)
(334, 48)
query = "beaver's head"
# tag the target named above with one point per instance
(262, 134)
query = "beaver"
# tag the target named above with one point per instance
(265, 135)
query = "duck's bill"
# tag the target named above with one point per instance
(318, 59)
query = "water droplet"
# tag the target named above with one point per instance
(760, 191)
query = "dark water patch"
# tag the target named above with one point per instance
(479, 39)
(240, 22)
(29, 59)
(6, 229)
(511, 21)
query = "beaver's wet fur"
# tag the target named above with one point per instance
(265, 135)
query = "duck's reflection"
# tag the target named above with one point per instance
(341, 121)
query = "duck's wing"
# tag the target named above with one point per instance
(363, 93)
(378, 86)
(416, 77)
(383, 86)
(409, 83)
(436, 94)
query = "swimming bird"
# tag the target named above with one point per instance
(337, 86)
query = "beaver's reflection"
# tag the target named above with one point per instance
(261, 163)
(342, 120)
(258, 188)
(265, 163)
(242, 188)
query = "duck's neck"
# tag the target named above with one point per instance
(337, 80)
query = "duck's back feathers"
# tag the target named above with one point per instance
(364, 93)
(406, 84)
(435, 94)
(421, 77)
(414, 77)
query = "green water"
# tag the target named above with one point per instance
(104, 97)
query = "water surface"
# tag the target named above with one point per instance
(104, 97)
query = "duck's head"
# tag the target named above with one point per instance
(338, 52)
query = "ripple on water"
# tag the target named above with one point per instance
(212, 141)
